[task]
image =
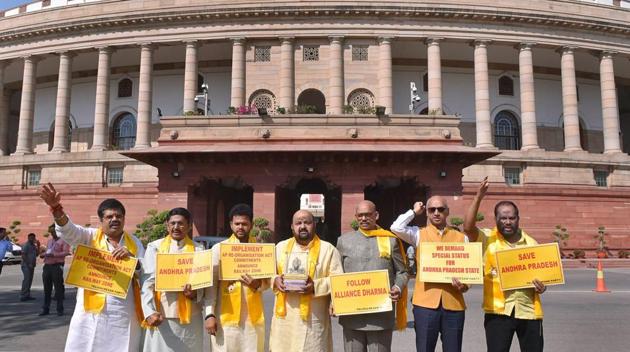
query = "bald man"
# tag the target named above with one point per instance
(373, 248)
(301, 320)
(438, 308)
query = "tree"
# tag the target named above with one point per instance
(153, 227)
(14, 230)
(261, 230)
(560, 235)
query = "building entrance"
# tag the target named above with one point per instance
(394, 196)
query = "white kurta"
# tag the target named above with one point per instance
(291, 333)
(116, 328)
(245, 337)
(170, 335)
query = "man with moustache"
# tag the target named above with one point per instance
(234, 313)
(301, 320)
(174, 317)
(438, 308)
(513, 311)
(373, 248)
(101, 323)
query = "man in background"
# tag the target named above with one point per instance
(30, 250)
(52, 275)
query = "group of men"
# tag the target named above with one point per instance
(232, 312)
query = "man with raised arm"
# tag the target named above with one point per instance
(301, 320)
(101, 323)
(174, 318)
(506, 312)
(234, 310)
(373, 248)
(438, 308)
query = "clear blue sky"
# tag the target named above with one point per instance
(9, 4)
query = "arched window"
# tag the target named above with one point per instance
(51, 135)
(312, 101)
(125, 88)
(506, 86)
(361, 100)
(124, 132)
(263, 98)
(507, 133)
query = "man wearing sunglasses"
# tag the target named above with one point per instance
(438, 308)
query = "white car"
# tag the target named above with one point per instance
(13, 256)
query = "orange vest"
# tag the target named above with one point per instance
(429, 295)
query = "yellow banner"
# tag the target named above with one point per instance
(443, 261)
(518, 267)
(361, 292)
(98, 271)
(176, 270)
(256, 259)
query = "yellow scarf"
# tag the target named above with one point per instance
(305, 300)
(94, 302)
(184, 306)
(385, 250)
(493, 297)
(231, 299)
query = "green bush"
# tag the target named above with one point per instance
(348, 109)
(153, 227)
(354, 224)
(261, 231)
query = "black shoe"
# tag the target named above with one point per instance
(59, 314)
(44, 312)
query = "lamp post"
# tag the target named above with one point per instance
(204, 96)
(413, 96)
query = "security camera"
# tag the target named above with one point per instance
(196, 99)
(417, 99)
(204, 87)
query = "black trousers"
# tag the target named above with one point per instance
(500, 331)
(52, 275)
(1, 264)
(433, 323)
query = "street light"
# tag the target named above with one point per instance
(414, 98)
(204, 96)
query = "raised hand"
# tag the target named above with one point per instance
(418, 208)
(483, 188)
(49, 195)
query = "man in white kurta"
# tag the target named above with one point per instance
(169, 331)
(301, 320)
(116, 327)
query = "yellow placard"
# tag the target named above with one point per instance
(256, 259)
(361, 292)
(173, 271)
(96, 270)
(443, 261)
(517, 267)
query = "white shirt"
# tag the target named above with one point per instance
(410, 234)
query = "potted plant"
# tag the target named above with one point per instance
(623, 254)
(348, 109)
(261, 230)
(560, 236)
(354, 224)
(602, 250)
(456, 222)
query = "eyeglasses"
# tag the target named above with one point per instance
(439, 209)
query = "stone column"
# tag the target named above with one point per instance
(145, 92)
(482, 95)
(385, 95)
(610, 112)
(27, 108)
(336, 91)
(528, 101)
(190, 77)
(62, 108)
(287, 73)
(101, 106)
(238, 72)
(434, 71)
(4, 113)
(569, 101)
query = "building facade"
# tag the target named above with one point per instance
(105, 98)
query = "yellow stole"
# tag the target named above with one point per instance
(493, 297)
(184, 306)
(385, 250)
(305, 300)
(94, 302)
(231, 299)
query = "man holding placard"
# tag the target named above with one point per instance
(301, 320)
(240, 325)
(367, 249)
(438, 308)
(174, 318)
(101, 322)
(512, 311)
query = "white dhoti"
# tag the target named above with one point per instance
(243, 338)
(171, 336)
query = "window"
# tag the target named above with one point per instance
(310, 53)
(125, 88)
(359, 53)
(507, 133)
(33, 178)
(263, 98)
(361, 100)
(262, 54)
(601, 178)
(425, 82)
(512, 175)
(114, 175)
(506, 86)
(124, 132)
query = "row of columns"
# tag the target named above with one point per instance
(336, 96)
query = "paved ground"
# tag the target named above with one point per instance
(576, 319)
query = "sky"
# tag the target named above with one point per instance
(9, 4)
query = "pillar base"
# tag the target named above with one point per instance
(59, 151)
(98, 148)
(141, 146)
(486, 146)
(575, 150)
(531, 148)
(22, 152)
(613, 151)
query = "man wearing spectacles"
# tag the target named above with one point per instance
(438, 308)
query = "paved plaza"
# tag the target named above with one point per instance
(576, 319)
